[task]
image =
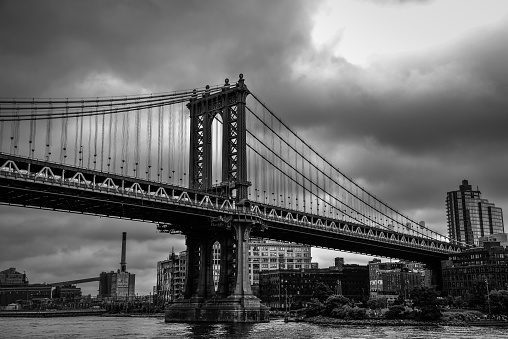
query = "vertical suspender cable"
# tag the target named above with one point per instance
(185, 153)
(159, 155)
(2, 134)
(303, 178)
(265, 163)
(65, 123)
(273, 172)
(89, 139)
(76, 147)
(149, 145)
(12, 137)
(115, 135)
(257, 160)
(81, 155)
(170, 145)
(282, 183)
(249, 192)
(62, 136)
(103, 126)
(48, 137)
(15, 133)
(290, 183)
(32, 128)
(180, 143)
(96, 118)
(123, 164)
(126, 144)
(162, 142)
(136, 148)
(110, 137)
(333, 200)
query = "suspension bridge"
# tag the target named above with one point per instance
(215, 164)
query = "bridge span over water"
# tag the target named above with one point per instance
(214, 164)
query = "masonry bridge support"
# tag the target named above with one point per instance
(233, 300)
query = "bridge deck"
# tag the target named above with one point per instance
(35, 183)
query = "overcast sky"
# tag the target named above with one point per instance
(407, 97)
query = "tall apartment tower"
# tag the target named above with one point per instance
(471, 217)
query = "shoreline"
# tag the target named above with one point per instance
(74, 313)
(317, 320)
(326, 321)
(51, 314)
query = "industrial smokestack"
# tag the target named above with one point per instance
(123, 264)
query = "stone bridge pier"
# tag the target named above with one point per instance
(232, 300)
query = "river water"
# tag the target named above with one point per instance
(134, 327)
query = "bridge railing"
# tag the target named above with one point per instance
(19, 169)
(352, 229)
(112, 184)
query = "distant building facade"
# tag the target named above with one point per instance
(171, 277)
(391, 279)
(351, 281)
(14, 287)
(269, 255)
(118, 285)
(264, 255)
(500, 239)
(471, 269)
(67, 293)
(12, 277)
(298, 285)
(30, 292)
(354, 281)
(471, 217)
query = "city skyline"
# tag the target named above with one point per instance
(408, 98)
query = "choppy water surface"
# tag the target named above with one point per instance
(100, 327)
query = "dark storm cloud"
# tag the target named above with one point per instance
(69, 48)
(409, 128)
(157, 44)
(415, 123)
(440, 100)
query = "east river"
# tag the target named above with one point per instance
(134, 327)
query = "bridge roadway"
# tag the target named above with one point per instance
(52, 186)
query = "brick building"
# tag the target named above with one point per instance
(465, 271)
(351, 281)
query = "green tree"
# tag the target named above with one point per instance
(478, 298)
(395, 312)
(459, 302)
(377, 303)
(322, 292)
(335, 301)
(358, 313)
(499, 302)
(425, 299)
(342, 312)
(400, 300)
(314, 308)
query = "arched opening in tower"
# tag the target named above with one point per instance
(217, 143)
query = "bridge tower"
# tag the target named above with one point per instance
(233, 300)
